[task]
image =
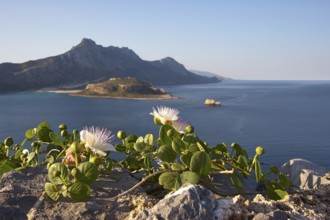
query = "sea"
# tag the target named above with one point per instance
(290, 119)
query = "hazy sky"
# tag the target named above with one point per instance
(242, 39)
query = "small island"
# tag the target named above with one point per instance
(212, 102)
(123, 88)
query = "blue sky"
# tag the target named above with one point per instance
(242, 39)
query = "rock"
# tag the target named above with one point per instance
(189, 202)
(212, 102)
(19, 191)
(230, 208)
(305, 174)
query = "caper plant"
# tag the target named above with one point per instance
(184, 158)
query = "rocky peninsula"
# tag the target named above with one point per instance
(123, 88)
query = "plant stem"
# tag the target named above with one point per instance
(140, 183)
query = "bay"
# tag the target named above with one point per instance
(290, 119)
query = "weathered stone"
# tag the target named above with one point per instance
(189, 202)
(305, 174)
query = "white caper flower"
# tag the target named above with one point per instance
(165, 114)
(97, 139)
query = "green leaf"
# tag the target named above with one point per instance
(29, 134)
(242, 162)
(79, 191)
(178, 167)
(237, 183)
(283, 180)
(18, 154)
(189, 177)
(88, 172)
(163, 134)
(6, 166)
(52, 191)
(56, 139)
(200, 163)
(43, 134)
(190, 138)
(131, 139)
(147, 162)
(167, 154)
(43, 124)
(168, 179)
(149, 139)
(239, 150)
(178, 145)
(220, 149)
(139, 146)
(58, 174)
(120, 148)
(193, 148)
(275, 191)
(186, 158)
(258, 171)
(31, 156)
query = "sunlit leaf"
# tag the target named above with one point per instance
(168, 179)
(52, 191)
(79, 191)
(88, 172)
(200, 163)
(167, 154)
(58, 174)
(56, 139)
(29, 134)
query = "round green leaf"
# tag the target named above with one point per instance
(58, 174)
(43, 125)
(139, 146)
(167, 154)
(200, 163)
(56, 139)
(43, 134)
(79, 191)
(168, 179)
(178, 145)
(52, 191)
(189, 177)
(29, 134)
(178, 167)
(88, 172)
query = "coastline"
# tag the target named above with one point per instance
(75, 92)
(153, 97)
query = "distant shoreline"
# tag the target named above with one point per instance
(75, 92)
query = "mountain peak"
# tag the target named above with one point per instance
(87, 41)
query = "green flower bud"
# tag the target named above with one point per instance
(166, 122)
(34, 144)
(76, 147)
(189, 129)
(157, 121)
(260, 151)
(64, 133)
(170, 133)
(9, 141)
(75, 132)
(62, 127)
(96, 160)
(121, 135)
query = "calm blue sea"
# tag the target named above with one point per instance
(289, 119)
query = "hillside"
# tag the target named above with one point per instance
(129, 88)
(88, 62)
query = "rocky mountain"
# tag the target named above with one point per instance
(209, 74)
(88, 62)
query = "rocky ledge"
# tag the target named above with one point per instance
(22, 198)
(124, 88)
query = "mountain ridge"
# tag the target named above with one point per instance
(89, 62)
